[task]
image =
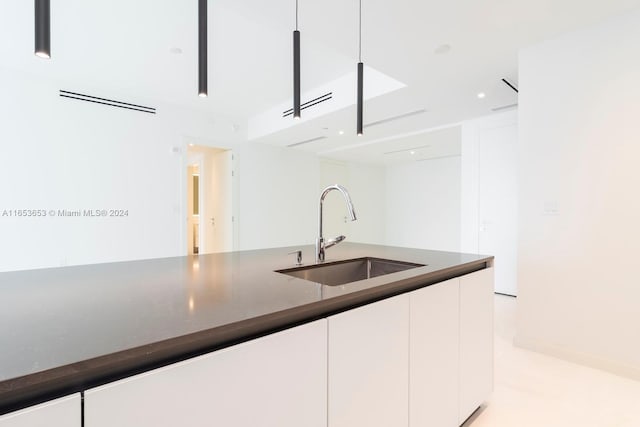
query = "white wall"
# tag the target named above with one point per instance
(278, 196)
(425, 199)
(423, 204)
(367, 187)
(579, 233)
(57, 153)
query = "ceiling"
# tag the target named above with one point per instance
(121, 49)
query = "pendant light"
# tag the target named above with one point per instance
(296, 69)
(202, 48)
(360, 100)
(43, 29)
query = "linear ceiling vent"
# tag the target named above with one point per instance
(394, 118)
(404, 150)
(438, 157)
(505, 107)
(104, 101)
(308, 141)
(508, 83)
(311, 103)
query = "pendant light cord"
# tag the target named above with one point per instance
(360, 34)
(296, 15)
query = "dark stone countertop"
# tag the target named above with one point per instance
(64, 330)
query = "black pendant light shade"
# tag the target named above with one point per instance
(43, 29)
(296, 69)
(360, 96)
(296, 74)
(202, 48)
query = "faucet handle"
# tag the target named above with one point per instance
(333, 242)
(298, 256)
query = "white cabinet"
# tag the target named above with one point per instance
(369, 365)
(420, 359)
(63, 412)
(279, 380)
(476, 340)
(433, 355)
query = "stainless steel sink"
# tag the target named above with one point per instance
(352, 270)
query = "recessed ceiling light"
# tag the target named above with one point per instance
(341, 132)
(442, 49)
(190, 145)
(175, 50)
(413, 152)
(481, 95)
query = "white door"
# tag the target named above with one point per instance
(498, 202)
(217, 215)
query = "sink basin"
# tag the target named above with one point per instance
(352, 270)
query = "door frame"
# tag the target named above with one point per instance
(187, 142)
(470, 179)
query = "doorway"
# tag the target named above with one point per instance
(209, 201)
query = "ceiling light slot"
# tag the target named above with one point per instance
(505, 81)
(404, 150)
(394, 118)
(448, 156)
(505, 107)
(308, 141)
(311, 103)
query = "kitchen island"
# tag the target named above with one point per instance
(79, 330)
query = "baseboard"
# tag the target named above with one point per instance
(620, 369)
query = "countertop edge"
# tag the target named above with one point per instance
(21, 392)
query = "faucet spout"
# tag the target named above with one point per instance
(321, 245)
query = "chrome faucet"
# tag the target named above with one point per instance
(321, 244)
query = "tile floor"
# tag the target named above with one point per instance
(532, 389)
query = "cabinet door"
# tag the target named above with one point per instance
(476, 340)
(64, 412)
(279, 380)
(433, 355)
(369, 365)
